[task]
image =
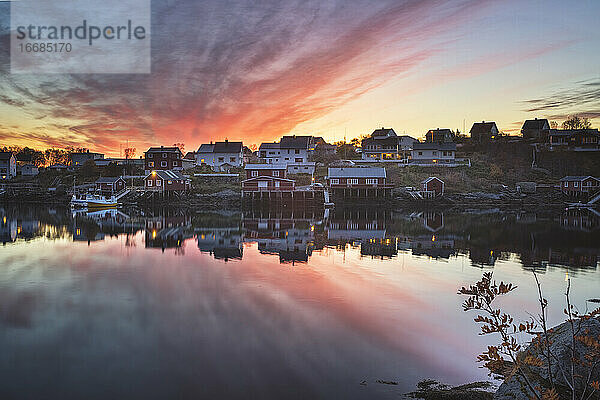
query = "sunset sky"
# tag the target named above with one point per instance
(254, 71)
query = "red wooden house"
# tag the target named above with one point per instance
(433, 185)
(274, 170)
(166, 182)
(369, 177)
(107, 186)
(363, 182)
(163, 158)
(579, 185)
(267, 183)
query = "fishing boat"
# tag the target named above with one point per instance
(91, 200)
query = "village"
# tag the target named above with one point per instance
(444, 167)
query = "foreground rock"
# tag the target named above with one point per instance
(432, 390)
(561, 339)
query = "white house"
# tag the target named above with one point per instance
(28, 170)
(8, 165)
(432, 153)
(221, 155)
(384, 144)
(289, 150)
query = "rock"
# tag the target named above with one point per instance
(561, 339)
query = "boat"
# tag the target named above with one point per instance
(91, 200)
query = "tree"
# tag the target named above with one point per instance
(357, 141)
(181, 147)
(571, 376)
(130, 153)
(577, 122)
(89, 169)
(553, 125)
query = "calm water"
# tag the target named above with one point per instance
(166, 304)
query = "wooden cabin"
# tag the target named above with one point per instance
(267, 183)
(578, 186)
(108, 186)
(361, 182)
(166, 182)
(274, 170)
(433, 186)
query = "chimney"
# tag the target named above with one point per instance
(226, 140)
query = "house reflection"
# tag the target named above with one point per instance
(223, 243)
(168, 230)
(364, 227)
(288, 233)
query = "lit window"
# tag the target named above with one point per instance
(170, 182)
(149, 183)
(158, 182)
(151, 163)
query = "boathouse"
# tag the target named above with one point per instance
(358, 183)
(108, 186)
(258, 170)
(432, 186)
(166, 182)
(578, 186)
(267, 183)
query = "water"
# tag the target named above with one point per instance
(172, 304)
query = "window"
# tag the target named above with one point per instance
(149, 155)
(232, 159)
(163, 163)
(277, 184)
(164, 155)
(353, 181)
(149, 183)
(297, 151)
(151, 163)
(334, 181)
(372, 181)
(575, 184)
(287, 159)
(169, 182)
(202, 161)
(420, 153)
(254, 173)
(298, 160)
(158, 182)
(221, 159)
(275, 173)
(435, 153)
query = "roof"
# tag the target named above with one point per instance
(569, 132)
(482, 127)
(267, 146)
(435, 146)
(535, 124)
(168, 174)
(206, 148)
(108, 179)
(383, 132)
(445, 131)
(432, 178)
(5, 155)
(24, 157)
(163, 149)
(227, 147)
(265, 166)
(191, 155)
(577, 178)
(295, 142)
(262, 178)
(360, 172)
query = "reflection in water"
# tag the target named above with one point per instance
(565, 238)
(308, 305)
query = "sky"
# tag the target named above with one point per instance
(254, 71)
